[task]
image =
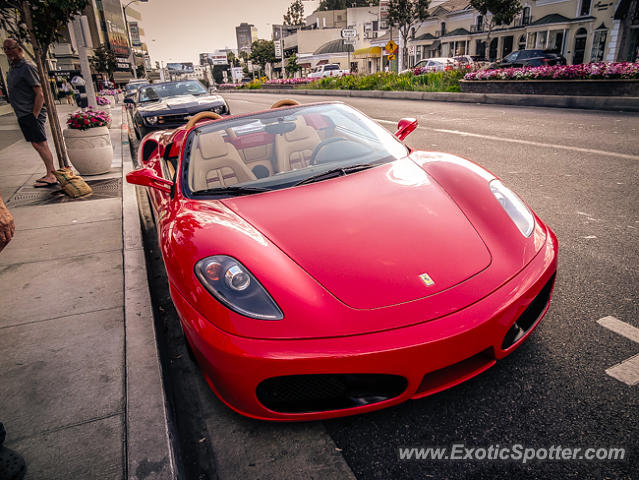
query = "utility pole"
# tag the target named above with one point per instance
(128, 38)
(282, 50)
(79, 29)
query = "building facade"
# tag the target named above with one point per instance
(246, 34)
(581, 30)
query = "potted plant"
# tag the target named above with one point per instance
(102, 101)
(88, 141)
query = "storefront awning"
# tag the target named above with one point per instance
(368, 52)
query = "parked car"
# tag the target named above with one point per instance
(131, 88)
(471, 62)
(170, 104)
(530, 58)
(322, 268)
(328, 70)
(435, 64)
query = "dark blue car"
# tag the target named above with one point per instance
(159, 106)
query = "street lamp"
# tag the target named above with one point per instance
(128, 37)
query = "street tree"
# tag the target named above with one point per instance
(406, 14)
(39, 23)
(232, 59)
(294, 16)
(343, 4)
(262, 52)
(292, 66)
(104, 61)
(502, 12)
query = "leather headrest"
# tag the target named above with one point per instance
(301, 132)
(212, 145)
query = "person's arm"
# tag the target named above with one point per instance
(7, 225)
(38, 101)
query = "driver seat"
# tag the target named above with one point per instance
(216, 163)
(294, 149)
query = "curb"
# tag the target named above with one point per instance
(624, 104)
(148, 445)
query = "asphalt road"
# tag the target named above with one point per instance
(579, 170)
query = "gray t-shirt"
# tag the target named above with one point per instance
(21, 79)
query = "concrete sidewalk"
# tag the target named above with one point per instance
(80, 382)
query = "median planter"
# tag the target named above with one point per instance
(598, 87)
(88, 142)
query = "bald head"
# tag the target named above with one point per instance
(13, 50)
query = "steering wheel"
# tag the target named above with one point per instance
(322, 144)
(285, 102)
(200, 116)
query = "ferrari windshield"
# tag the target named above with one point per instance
(284, 148)
(149, 93)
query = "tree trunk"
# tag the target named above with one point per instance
(52, 113)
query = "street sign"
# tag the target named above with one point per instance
(390, 46)
(349, 41)
(391, 57)
(237, 74)
(278, 48)
(349, 33)
(411, 50)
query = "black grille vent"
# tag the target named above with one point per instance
(318, 393)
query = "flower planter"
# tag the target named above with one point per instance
(90, 151)
(603, 88)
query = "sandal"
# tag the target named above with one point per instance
(43, 183)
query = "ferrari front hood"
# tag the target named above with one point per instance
(376, 238)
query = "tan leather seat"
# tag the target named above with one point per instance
(294, 148)
(216, 163)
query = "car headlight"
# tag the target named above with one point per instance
(516, 209)
(233, 285)
(151, 120)
(220, 109)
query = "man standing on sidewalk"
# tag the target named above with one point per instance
(27, 100)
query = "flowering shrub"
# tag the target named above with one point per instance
(110, 91)
(102, 100)
(289, 81)
(90, 119)
(586, 71)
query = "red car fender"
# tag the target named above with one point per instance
(467, 184)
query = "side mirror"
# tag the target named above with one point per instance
(129, 100)
(146, 177)
(405, 126)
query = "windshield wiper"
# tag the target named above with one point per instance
(335, 172)
(232, 190)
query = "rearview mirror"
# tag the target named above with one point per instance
(147, 177)
(405, 126)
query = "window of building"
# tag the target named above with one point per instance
(525, 16)
(598, 45)
(443, 29)
(541, 39)
(521, 45)
(532, 40)
(585, 8)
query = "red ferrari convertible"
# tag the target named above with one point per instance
(322, 268)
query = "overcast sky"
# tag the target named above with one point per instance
(179, 30)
